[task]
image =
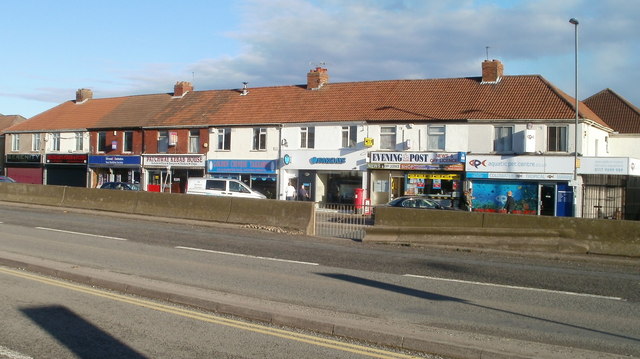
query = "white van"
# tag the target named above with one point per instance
(221, 187)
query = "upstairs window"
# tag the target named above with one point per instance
(503, 139)
(79, 136)
(388, 138)
(349, 136)
(35, 142)
(127, 141)
(194, 141)
(163, 141)
(307, 137)
(55, 142)
(224, 139)
(435, 137)
(15, 142)
(102, 142)
(557, 139)
(259, 139)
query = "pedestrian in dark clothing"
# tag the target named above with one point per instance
(510, 204)
(303, 195)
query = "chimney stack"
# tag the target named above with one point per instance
(181, 88)
(492, 71)
(83, 94)
(317, 78)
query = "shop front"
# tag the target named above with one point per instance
(25, 168)
(114, 169)
(169, 173)
(66, 170)
(327, 176)
(435, 175)
(259, 175)
(539, 185)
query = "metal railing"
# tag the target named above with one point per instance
(342, 220)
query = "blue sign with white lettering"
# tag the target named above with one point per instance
(241, 166)
(115, 161)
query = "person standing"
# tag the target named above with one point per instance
(510, 204)
(291, 192)
(468, 200)
(303, 195)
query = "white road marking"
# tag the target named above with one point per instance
(246, 255)
(82, 234)
(516, 287)
(12, 354)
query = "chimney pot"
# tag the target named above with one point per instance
(83, 95)
(181, 88)
(492, 71)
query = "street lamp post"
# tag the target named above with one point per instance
(575, 138)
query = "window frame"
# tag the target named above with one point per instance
(388, 141)
(55, 142)
(15, 142)
(194, 141)
(79, 136)
(500, 140)
(127, 141)
(163, 142)
(349, 136)
(561, 140)
(36, 142)
(259, 141)
(224, 139)
(440, 137)
(307, 137)
(101, 142)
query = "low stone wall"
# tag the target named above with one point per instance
(295, 216)
(505, 231)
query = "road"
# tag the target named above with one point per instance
(587, 303)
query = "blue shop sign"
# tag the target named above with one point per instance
(241, 166)
(328, 160)
(115, 161)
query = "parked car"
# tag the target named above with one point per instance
(7, 179)
(221, 187)
(121, 186)
(415, 202)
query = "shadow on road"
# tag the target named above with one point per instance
(438, 297)
(81, 337)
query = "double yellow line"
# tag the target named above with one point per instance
(256, 328)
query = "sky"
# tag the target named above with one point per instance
(50, 49)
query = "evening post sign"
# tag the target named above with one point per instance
(417, 160)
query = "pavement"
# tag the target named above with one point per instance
(432, 340)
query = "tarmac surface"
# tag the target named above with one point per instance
(446, 343)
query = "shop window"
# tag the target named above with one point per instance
(224, 139)
(163, 141)
(15, 142)
(388, 138)
(349, 136)
(55, 142)
(307, 137)
(79, 137)
(503, 139)
(35, 142)
(194, 141)
(259, 139)
(436, 137)
(102, 142)
(557, 139)
(127, 141)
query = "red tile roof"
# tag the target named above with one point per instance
(515, 97)
(620, 114)
(527, 97)
(10, 120)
